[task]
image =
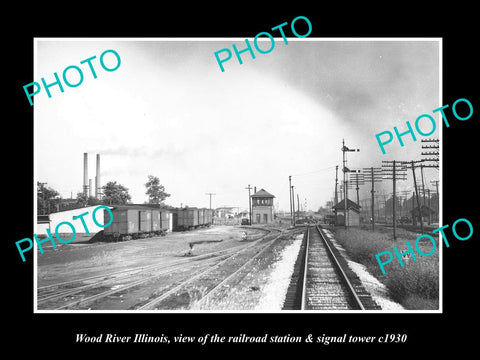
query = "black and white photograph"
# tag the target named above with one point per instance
(241, 180)
(226, 190)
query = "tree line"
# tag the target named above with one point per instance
(113, 193)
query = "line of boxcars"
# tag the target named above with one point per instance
(140, 221)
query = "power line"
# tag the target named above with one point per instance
(314, 171)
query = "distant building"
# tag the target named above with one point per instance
(262, 207)
(227, 212)
(425, 211)
(353, 213)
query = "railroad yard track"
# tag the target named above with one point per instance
(322, 279)
(152, 282)
(209, 283)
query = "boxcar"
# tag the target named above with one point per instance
(186, 218)
(133, 221)
(208, 217)
(201, 217)
(145, 221)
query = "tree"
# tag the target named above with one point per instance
(47, 199)
(115, 194)
(85, 200)
(155, 191)
(82, 199)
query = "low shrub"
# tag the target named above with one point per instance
(415, 286)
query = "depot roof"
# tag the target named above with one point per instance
(350, 205)
(262, 193)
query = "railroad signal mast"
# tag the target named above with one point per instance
(394, 170)
(345, 170)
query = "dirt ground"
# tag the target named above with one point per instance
(80, 259)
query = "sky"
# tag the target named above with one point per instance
(169, 111)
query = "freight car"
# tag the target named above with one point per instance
(191, 218)
(136, 221)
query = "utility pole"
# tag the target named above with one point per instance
(210, 194)
(298, 207)
(249, 203)
(394, 170)
(336, 192)
(293, 204)
(435, 182)
(358, 179)
(290, 192)
(345, 170)
(414, 222)
(423, 185)
(429, 207)
(416, 193)
(373, 175)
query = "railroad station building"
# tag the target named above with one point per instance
(262, 207)
(353, 210)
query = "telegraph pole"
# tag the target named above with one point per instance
(373, 175)
(336, 192)
(358, 179)
(416, 193)
(293, 204)
(435, 182)
(429, 207)
(423, 185)
(249, 203)
(210, 194)
(298, 207)
(290, 192)
(394, 170)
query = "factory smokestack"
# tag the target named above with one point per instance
(98, 190)
(85, 174)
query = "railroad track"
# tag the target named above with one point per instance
(322, 279)
(83, 293)
(208, 283)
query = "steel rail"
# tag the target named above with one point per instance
(154, 302)
(124, 287)
(167, 268)
(303, 305)
(344, 277)
(229, 277)
(122, 274)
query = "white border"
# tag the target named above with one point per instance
(300, 312)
